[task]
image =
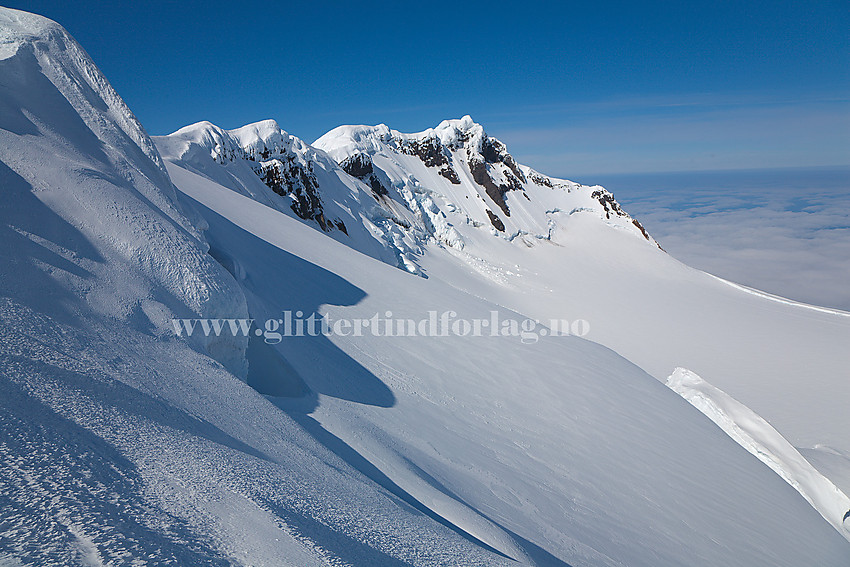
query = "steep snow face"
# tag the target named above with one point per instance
(121, 444)
(281, 171)
(88, 210)
(464, 181)
(26, 38)
(758, 437)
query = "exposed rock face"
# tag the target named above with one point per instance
(360, 166)
(495, 151)
(541, 180)
(432, 153)
(353, 199)
(287, 178)
(641, 229)
(479, 172)
(283, 162)
(496, 221)
(488, 160)
(494, 168)
(429, 150)
(454, 178)
(449, 173)
(609, 205)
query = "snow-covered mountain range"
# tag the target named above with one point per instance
(696, 422)
(388, 194)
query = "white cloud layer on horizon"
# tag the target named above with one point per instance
(788, 240)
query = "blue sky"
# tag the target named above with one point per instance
(572, 88)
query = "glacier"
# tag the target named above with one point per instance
(125, 444)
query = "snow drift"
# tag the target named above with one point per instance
(759, 438)
(86, 194)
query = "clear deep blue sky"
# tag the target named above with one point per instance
(572, 87)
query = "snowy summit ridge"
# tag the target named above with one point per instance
(24, 35)
(388, 194)
(461, 152)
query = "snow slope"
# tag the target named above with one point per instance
(786, 361)
(124, 444)
(759, 438)
(121, 444)
(87, 196)
(557, 452)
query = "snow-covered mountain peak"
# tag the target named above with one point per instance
(265, 139)
(18, 28)
(25, 36)
(387, 193)
(353, 137)
(471, 178)
(285, 164)
(259, 141)
(456, 132)
(464, 124)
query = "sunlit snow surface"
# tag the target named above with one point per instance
(759, 438)
(123, 444)
(785, 231)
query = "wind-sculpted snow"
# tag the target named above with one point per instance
(133, 449)
(67, 66)
(757, 436)
(86, 193)
(124, 444)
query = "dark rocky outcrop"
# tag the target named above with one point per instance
(288, 178)
(496, 221)
(449, 173)
(478, 169)
(429, 150)
(495, 151)
(608, 203)
(360, 166)
(285, 172)
(540, 179)
(433, 154)
(640, 227)
(493, 154)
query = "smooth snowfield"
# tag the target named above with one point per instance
(786, 361)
